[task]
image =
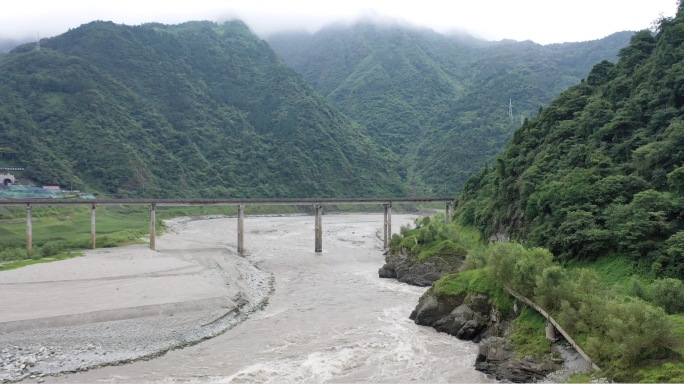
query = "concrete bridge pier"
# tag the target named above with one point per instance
(92, 225)
(550, 331)
(153, 227)
(319, 228)
(29, 228)
(387, 227)
(447, 218)
(241, 228)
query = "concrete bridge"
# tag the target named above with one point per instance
(318, 205)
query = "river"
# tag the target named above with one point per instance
(329, 319)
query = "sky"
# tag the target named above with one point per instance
(542, 21)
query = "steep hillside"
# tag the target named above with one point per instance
(196, 109)
(599, 170)
(440, 102)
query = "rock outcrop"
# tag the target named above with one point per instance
(398, 265)
(472, 317)
(496, 357)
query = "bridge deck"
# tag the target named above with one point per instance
(235, 202)
(318, 203)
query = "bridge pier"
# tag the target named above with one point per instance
(387, 226)
(152, 203)
(241, 228)
(318, 247)
(550, 331)
(92, 225)
(153, 227)
(29, 228)
(447, 218)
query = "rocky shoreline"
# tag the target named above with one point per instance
(472, 317)
(39, 352)
(410, 271)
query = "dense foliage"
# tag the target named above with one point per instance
(618, 331)
(196, 109)
(600, 170)
(624, 329)
(440, 102)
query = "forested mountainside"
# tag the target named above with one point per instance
(600, 170)
(440, 102)
(195, 109)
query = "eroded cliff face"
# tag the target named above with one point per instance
(472, 317)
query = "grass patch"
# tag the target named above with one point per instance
(671, 372)
(445, 248)
(677, 327)
(614, 270)
(477, 281)
(582, 378)
(529, 334)
(22, 263)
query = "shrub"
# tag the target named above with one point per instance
(14, 254)
(626, 332)
(552, 287)
(52, 248)
(475, 259)
(669, 294)
(636, 288)
(517, 267)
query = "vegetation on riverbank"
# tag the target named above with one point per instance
(594, 188)
(599, 171)
(624, 327)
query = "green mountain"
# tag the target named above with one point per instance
(196, 109)
(600, 170)
(439, 102)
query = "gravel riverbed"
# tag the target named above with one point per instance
(37, 352)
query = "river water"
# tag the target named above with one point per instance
(329, 319)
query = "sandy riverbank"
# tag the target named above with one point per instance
(123, 304)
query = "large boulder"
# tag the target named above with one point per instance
(462, 322)
(431, 308)
(387, 272)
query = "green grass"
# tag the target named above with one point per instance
(671, 372)
(582, 378)
(22, 263)
(72, 224)
(478, 281)
(529, 334)
(445, 248)
(677, 327)
(614, 270)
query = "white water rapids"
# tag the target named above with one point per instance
(329, 319)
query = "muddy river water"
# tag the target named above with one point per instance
(329, 318)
